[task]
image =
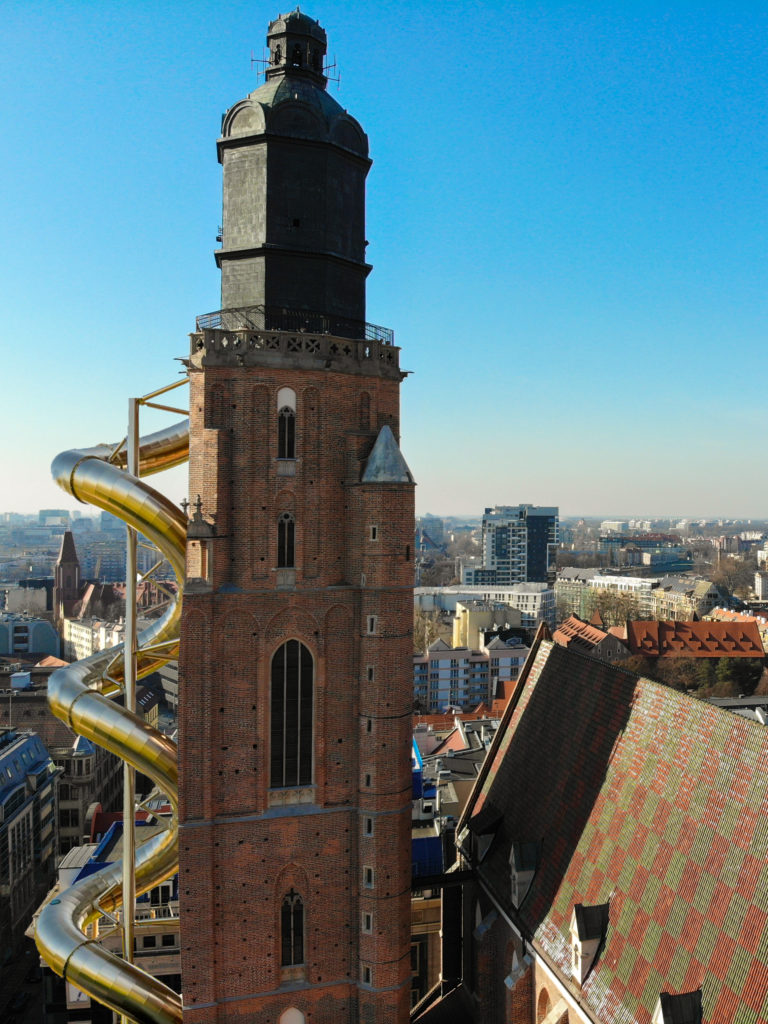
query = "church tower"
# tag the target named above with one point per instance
(66, 580)
(295, 665)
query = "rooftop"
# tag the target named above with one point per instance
(694, 639)
(649, 801)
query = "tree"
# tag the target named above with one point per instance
(426, 629)
(736, 575)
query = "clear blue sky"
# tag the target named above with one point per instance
(566, 213)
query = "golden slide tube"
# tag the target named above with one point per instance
(79, 695)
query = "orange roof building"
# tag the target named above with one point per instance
(695, 639)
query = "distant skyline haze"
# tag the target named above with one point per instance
(567, 226)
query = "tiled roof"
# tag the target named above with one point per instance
(726, 615)
(694, 639)
(583, 635)
(648, 800)
(49, 661)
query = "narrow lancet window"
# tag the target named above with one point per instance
(285, 541)
(291, 716)
(292, 930)
(286, 433)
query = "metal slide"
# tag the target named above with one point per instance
(79, 695)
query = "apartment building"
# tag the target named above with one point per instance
(519, 545)
(461, 677)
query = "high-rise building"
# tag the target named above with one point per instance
(295, 665)
(519, 546)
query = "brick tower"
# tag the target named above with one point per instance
(66, 580)
(294, 724)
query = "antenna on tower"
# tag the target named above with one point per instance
(332, 78)
(264, 61)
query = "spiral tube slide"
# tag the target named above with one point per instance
(79, 695)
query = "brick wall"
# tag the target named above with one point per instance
(349, 602)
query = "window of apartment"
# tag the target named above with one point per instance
(291, 716)
(169, 940)
(160, 895)
(292, 930)
(285, 541)
(149, 941)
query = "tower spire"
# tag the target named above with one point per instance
(294, 167)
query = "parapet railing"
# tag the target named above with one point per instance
(267, 318)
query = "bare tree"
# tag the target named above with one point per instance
(426, 629)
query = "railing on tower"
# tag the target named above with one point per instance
(267, 318)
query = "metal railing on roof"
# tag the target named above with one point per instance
(267, 318)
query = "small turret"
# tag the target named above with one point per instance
(297, 46)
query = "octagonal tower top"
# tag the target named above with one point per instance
(297, 46)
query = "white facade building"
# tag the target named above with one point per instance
(535, 601)
(460, 677)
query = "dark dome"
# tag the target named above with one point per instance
(297, 24)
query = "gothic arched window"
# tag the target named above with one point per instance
(286, 530)
(296, 56)
(291, 716)
(286, 433)
(291, 930)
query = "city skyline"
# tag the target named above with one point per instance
(566, 222)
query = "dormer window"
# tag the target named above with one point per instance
(588, 928)
(684, 1008)
(523, 861)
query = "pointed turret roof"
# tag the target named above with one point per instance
(68, 553)
(386, 464)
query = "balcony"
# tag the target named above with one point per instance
(266, 318)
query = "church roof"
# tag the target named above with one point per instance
(584, 635)
(386, 464)
(650, 801)
(68, 552)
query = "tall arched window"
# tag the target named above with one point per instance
(291, 716)
(286, 423)
(291, 930)
(285, 541)
(286, 433)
